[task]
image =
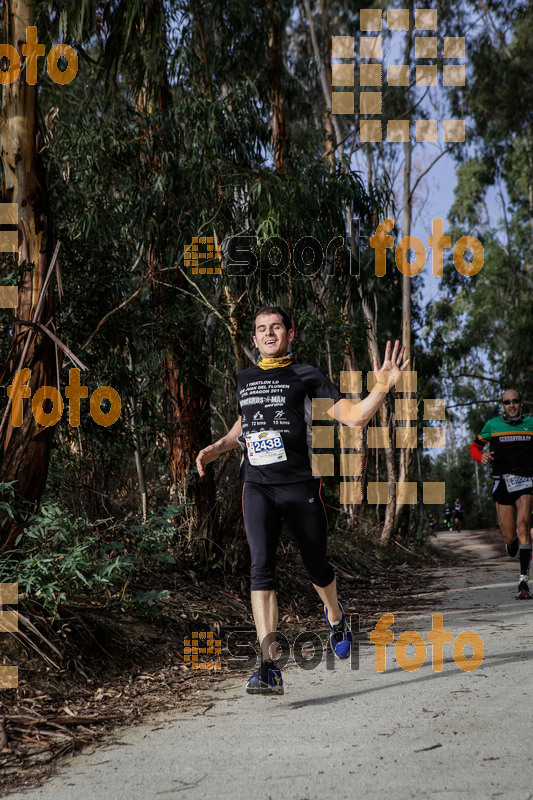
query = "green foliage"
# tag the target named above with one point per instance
(133, 176)
(165, 134)
(10, 504)
(460, 479)
(66, 559)
(499, 95)
(479, 330)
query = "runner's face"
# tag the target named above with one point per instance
(512, 410)
(271, 338)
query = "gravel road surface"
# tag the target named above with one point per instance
(351, 733)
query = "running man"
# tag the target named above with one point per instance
(458, 511)
(511, 454)
(448, 516)
(274, 433)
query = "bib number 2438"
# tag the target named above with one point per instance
(265, 447)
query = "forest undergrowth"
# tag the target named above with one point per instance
(104, 611)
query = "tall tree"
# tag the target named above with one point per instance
(25, 450)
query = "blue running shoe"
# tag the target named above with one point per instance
(341, 635)
(267, 680)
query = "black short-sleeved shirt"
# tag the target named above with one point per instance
(279, 400)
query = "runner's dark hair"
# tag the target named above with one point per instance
(287, 322)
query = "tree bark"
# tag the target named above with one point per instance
(280, 138)
(188, 421)
(25, 450)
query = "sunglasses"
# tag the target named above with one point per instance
(513, 402)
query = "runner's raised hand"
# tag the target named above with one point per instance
(392, 364)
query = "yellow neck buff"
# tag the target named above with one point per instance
(272, 363)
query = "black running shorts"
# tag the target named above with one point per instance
(301, 505)
(503, 497)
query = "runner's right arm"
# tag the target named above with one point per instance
(359, 413)
(210, 453)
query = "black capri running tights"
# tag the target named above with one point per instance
(302, 506)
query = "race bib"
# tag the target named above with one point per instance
(515, 483)
(265, 447)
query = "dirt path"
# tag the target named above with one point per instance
(348, 732)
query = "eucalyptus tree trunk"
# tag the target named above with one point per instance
(406, 453)
(330, 141)
(25, 450)
(280, 138)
